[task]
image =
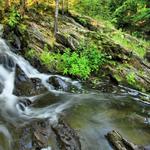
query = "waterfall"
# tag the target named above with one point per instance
(9, 102)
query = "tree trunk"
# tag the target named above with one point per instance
(6, 5)
(63, 11)
(56, 17)
(67, 6)
(22, 7)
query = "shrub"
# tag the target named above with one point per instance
(81, 63)
(14, 18)
(131, 78)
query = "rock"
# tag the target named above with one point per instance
(147, 56)
(1, 30)
(66, 136)
(40, 135)
(59, 47)
(120, 143)
(24, 103)
(85, 21)
(34, 136)
(1, 88)
(25, 86)
(67, 40)
(39, 35)
(60, 84)
(7, 61)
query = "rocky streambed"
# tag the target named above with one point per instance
(53, 112)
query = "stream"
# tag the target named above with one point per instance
(90, 112)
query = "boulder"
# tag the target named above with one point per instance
(120, 143)
(147, 56)
(1, 30)
(67, 40)
(7, 61)
(1, 88)
(66, 136)
(60, 84)
(25, 86)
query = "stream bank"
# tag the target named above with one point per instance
(31, 37)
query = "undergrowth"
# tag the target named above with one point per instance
(81, 63)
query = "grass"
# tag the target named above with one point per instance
(137, 46)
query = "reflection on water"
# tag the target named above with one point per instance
(95, 114)
(94, 117)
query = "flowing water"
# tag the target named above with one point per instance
(92, 113)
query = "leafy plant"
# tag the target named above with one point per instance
(14, 17)
(131, 78)
(82, 62)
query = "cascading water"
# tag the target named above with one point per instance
(9, 103)
(94, 113)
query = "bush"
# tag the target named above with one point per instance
(81, 63)
(14, 18)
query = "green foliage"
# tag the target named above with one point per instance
(82, 62)
(22, 28)
(124, 13)
(14, 18)
(131, 78)
(75, 64)
(85, 60)
(137, 46)
(93, 8)
(131, 15)
(31, 53)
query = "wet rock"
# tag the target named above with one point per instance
(66, 136)
(7, 61)
(34, 136)
(1, 88)
(1, 30)
(59, 84)
(120, 143)
(24, 103)
(40, 135)
(25, 86)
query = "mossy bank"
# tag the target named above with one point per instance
(83, 48)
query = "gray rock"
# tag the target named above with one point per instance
(1, 88)
(25, 86)
(67, 41)
(7, 62)
(147, 56)
(1, 30)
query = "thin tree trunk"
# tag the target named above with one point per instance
(63, 11)
(56, 17)
(7, 5)
(22, 6)
(67, 6)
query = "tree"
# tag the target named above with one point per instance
(56, 17)
(22, 6)
(63, 11)
(7, 5)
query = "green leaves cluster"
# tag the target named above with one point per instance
(14, 18)
(131, 78)
(81, 63)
